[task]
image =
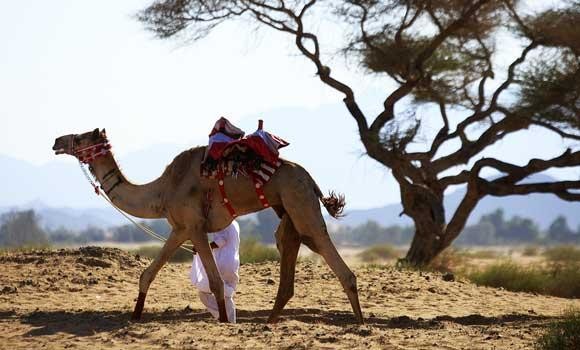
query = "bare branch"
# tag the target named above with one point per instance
(560, 189)
(556, 130)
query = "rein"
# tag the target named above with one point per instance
(87, 155)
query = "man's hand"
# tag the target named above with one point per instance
(213, 245)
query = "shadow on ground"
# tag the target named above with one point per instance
(88, 323)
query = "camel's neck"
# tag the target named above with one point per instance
(143, 201)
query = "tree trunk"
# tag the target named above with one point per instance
(426, 245)
(425, 207)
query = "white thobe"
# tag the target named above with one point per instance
(227, 258)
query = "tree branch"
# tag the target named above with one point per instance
(426, 53)
(560, 189)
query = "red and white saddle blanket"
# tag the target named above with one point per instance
(229, 153)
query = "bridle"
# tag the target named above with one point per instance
(88, 154)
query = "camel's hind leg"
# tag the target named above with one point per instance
(304, 211)
(324, 246)
(173, 242)
(288, 242)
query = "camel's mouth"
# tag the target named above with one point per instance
(59, 151)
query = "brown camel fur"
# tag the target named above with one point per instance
(179, 195)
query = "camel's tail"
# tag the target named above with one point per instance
(334, 203)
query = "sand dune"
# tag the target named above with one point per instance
(83, 298)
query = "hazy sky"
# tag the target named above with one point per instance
(71, 66)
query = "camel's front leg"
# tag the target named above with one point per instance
(288, 242)
(216, 283)
(173, 242)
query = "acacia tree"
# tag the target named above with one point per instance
(442, 53)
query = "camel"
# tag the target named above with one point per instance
(180, 195)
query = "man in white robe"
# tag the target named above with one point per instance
(225, 247)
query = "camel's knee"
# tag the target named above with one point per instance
(287, 293)
(349, 282)
(217, 288)
(145, 279)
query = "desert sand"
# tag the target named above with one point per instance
(83, 299)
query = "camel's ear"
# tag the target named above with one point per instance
(95, 134)
(104, 133)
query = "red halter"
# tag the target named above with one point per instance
(87, 154)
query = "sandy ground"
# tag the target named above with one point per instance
(82, 299)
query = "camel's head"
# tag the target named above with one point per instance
(73, 143)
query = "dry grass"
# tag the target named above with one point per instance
(378, 253)
(451, 259)
(559, 280)
(531, 250)
(563, 254)
(563, 334)
(151, 251)
(251, 251)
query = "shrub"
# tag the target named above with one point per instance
(531, 250)
(511, 277)
(152, 251)
(561, 281)
(378, 252)
(448, 260)
(563, 334)
(252, 251)
(563, 254)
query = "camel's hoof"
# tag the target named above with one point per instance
(135, 317)
(273, 319)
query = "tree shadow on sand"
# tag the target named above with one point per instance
(88, 323)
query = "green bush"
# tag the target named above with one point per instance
(562, 280)
(563, 334)
(510, 276)
(531, 250)
(252, 251)
(378, 252)
(152, 251)
(563, 254)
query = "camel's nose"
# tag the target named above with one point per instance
(59, 145)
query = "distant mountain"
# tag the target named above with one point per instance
(542, 208)
(323, 140)
(71, 218)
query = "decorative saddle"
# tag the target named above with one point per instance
(230, 153)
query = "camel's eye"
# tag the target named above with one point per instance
(76, 140)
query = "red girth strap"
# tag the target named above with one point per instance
(225, 201)
(228, 204)
(260, 191)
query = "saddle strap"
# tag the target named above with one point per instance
(258, 186)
